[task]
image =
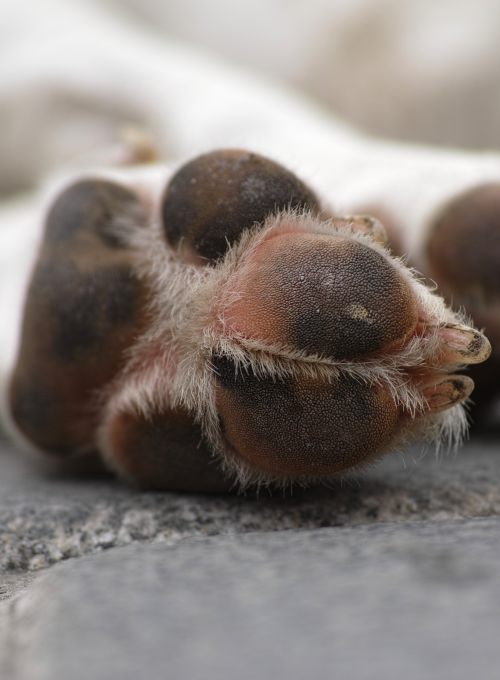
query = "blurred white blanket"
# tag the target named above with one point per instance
(72, 72)
(421, 70)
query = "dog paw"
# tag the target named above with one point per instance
(260, 339)
(297, 342)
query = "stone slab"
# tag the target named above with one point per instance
(49, 514)
(413, 601)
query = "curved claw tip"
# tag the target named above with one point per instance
(465, 345)
(366, 225)
(453, 390)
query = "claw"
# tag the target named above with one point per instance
(367, 225)
(453, 390)
(464, 345)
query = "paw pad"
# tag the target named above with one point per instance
(84, 307)
(464, 243)
(322, 294)
(212, 199)
(301, 427)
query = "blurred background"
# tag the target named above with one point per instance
(421, 71)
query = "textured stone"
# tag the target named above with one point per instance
(48, 514)
(391, 600)
(11, 583)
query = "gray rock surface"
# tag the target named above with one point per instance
(413, 601)
(395, 574)
(48, 514)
